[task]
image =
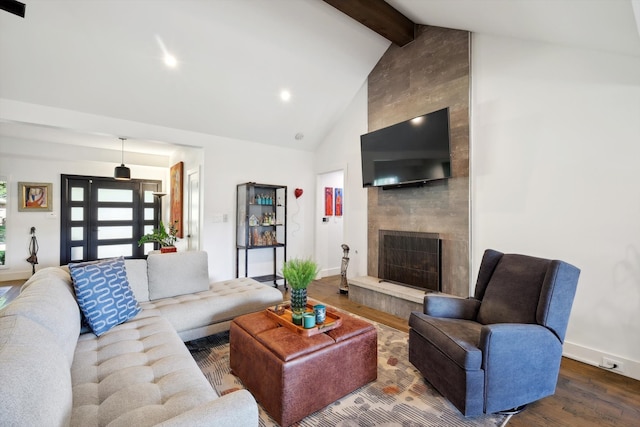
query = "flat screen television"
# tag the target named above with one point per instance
(408, 153)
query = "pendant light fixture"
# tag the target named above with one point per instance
(122, 172)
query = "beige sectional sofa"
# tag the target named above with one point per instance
(139, 373)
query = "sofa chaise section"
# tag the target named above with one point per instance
(176, 286)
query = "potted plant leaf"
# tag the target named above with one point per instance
(165, 238)
(299, 273)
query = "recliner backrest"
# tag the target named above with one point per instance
(523, 289)
(513, 292)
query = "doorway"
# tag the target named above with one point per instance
(101, 217)
(329, 223)
(193, 210)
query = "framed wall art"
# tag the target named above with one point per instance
(176, 184)
(35, 196)
(338, 193)
(328, 201)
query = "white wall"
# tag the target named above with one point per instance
(554, 158)
(340, 150)
(33, 161)
(229, 162)
(224, 163)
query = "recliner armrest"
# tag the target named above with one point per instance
(516, 338)
(450, 306)
(515, 356)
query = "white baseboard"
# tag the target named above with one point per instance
(6, 275)
(329, 272)
(630, 368)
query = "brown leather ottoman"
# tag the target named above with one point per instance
(292, 376)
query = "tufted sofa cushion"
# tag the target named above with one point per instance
(137, 374)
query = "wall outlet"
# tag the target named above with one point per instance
(612, 364)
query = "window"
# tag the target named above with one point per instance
(104, 218)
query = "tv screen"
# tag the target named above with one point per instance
(407, 153)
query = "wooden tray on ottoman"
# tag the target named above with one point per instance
(282, 315)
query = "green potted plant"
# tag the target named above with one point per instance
(299, 273)
(165, 238)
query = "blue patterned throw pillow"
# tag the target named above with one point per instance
(103, 293)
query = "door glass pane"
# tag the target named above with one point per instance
(77, 194)
(121, 232)
(115, 214)
(115, 195)
(77, 233)
(148, 196)
(76, 253)
(148, 229)
(111, 251)
(77, 214)
(148, 214)
(148, 247)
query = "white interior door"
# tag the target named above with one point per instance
(193, 210)
(329, 227)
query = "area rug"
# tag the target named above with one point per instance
(399, 397)
(3, 290)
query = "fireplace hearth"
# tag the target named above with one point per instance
(410, 258)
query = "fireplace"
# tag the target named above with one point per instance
(410, 258)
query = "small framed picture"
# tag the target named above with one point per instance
(35, 196)
(328, 201)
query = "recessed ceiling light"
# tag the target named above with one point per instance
(285, 95)
(170, 60)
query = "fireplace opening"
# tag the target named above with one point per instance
(410, 258)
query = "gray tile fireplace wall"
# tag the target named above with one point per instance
(426, 75)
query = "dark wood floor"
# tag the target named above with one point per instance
(585, 396)
(13, 292)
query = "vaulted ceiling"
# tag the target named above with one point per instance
(105, 59)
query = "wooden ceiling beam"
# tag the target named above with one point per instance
(379, 16)
(13, 6)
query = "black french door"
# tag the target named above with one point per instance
(103, 218)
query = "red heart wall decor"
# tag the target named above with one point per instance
(298, 192)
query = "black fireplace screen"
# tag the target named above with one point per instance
(409, 258)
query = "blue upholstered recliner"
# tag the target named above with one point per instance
(500, 349)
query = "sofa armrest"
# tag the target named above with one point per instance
(449, 306)
(231, 410)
